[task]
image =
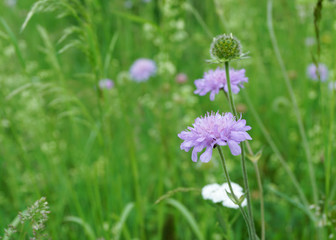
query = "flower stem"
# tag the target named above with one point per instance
(250, 215)
(230, 95)
(234, 196)
(262, 211)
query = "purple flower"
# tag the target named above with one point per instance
(211, 130)
(106, 84)
(214, 80)
(181, 78)
(322, 70)
(142, 69)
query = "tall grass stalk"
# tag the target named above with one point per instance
(293, 100)
(276, 150)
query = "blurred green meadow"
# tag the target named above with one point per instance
(103, 157)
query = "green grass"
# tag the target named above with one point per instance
(102, 158)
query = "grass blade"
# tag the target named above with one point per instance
(187, 215)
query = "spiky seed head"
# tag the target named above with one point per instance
(225, 48)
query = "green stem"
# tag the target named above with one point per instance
(249, 227)
(329, 151)
(230, 95)
(242, 153)
(262, 211)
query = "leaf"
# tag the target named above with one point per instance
(241, 199)
(71, 44)
(88, 230)
(232, 197)
(108, 56)
(187, 215)
(18, 90)
(69, 31)
(119, 225)
(14, 41)
(255, 158)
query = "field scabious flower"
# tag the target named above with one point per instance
(142, 69)
(322, 70)
(218, 194)
(212, 130)
(106, 84)
(214, 80)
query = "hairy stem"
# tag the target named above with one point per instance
(234, 196)
(246, 186)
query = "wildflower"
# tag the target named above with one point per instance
(214, 80)
(226, 48)
(322, 70)
(181, 78)
(218, 194)
(212, 130)
(142, 69)
(106, 84)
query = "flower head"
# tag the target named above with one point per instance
(212, 130)
(214, 80)
(142, 69)
(313, 72)
(218, 194)
(106, 84)
(225, 48)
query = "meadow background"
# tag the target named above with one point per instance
(103, 157)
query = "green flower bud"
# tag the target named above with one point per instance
(225, 48)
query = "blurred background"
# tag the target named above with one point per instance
(102, 152)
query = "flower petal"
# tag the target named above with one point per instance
(195, 151)
(206, 156)
(234, 147)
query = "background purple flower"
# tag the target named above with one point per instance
(214, 80)
(106, 84)
(142, 69)
(181, 78)
(322, 69)
(214, 129)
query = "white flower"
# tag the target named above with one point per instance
(217, 194)
(213, 192)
